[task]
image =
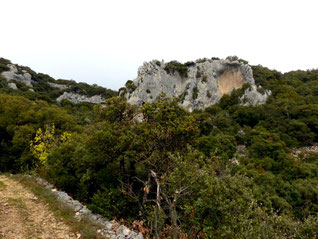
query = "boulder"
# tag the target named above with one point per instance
(12, 86)
(14, 74)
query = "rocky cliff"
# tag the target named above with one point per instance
(196, 85)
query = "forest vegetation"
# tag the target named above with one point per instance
(226, 172)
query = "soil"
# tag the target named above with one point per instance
(24, 216)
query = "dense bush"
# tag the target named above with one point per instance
(173, 66)
(130, 86)
(19, 120)
(195, 93)
(3, 67)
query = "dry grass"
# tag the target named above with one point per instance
(2, 185)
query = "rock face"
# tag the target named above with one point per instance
(14, 74)
(77, 98)
(200, 85)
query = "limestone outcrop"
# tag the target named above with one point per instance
(12, 86)
(253, 97)
(15, 74)
(78, 98)
(196, 85)
(58, 86)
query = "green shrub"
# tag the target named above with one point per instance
(130, 86)
(221, 145)
(181, 97)
(158, 63)
(4, 61)
(204, 79)
(232, 58)
(189, 63)
(195, 93)
(201, 60)
(122, 91)
(198, 74)
(113, 203)
(228, 100)
(265, 144)
(243, 61)
(173, 66)
(3, 68)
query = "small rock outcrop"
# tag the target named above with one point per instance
(196, 85)
(12, 86)
(253, 97)
(58, 86)
(78, 98)
(14, 74)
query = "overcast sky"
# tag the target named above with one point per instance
(104, 42)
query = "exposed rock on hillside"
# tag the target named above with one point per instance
(253, 97)
(14, 74)
(12, 86)
(45, 87)
(197, 85)
(77, 98)
(58, 86)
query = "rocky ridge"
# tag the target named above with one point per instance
(197, 85)
(15, 74)
(18, 76)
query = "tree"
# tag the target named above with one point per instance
(45, 141)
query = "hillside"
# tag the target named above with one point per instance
(227, 170)
(21, 80)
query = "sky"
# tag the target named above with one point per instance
(104, 42)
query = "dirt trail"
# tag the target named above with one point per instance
(23, 216)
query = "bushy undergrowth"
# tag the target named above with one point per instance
(174, 66)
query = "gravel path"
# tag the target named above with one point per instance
(23, 216)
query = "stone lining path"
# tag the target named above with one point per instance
(23, 216)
